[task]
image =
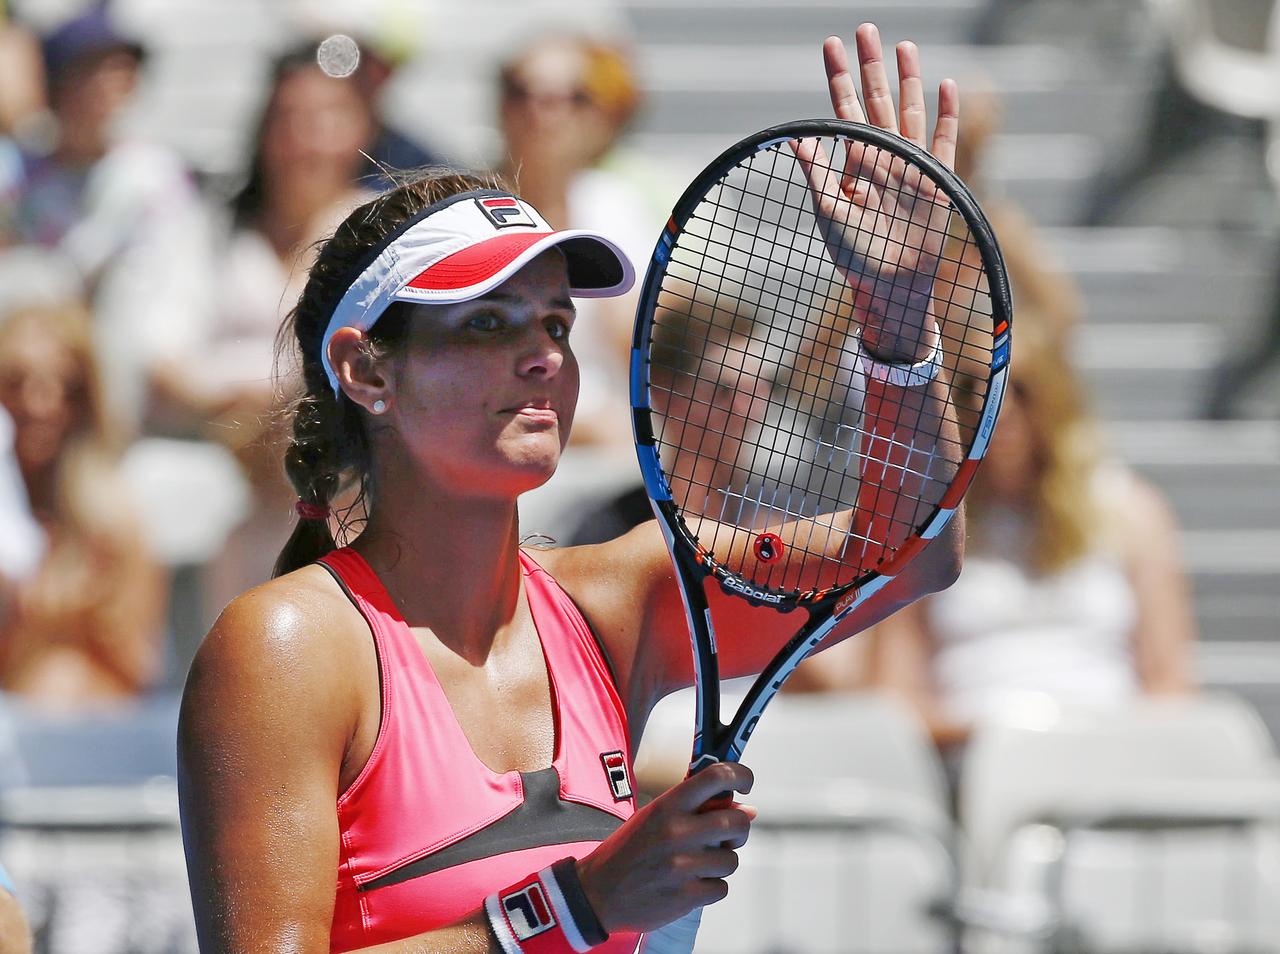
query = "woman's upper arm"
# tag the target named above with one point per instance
(628, 588)
(263, 729)
(1165, 632)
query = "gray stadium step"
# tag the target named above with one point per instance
(1217, 475)
(717, 22)
(744, 86)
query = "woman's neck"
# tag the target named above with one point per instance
(449, 565)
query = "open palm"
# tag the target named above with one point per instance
(883, 222)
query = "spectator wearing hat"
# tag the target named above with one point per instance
(125, 215)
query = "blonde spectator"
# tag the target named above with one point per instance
(123, 214)
(85, 627)
(564, 102)
(1072, 586)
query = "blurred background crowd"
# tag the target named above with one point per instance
(166, 168)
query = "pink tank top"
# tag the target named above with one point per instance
(428, 830)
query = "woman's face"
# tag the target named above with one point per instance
(42, 386)
(548, 114)
(315, 127)
(486, 389)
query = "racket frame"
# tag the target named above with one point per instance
(716, 741)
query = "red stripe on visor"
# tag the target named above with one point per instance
(472, 265)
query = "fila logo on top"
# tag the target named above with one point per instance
(504, 212)
(615, 770)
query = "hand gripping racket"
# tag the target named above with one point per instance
(785, 464)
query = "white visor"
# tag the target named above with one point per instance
(467, 246)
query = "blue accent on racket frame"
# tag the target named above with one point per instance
(1001, 356)
(639, 381)
(654, 483)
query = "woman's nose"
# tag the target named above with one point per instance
(541, 354)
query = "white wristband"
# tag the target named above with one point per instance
(900, 375)
(498, 924)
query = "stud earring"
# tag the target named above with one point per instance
(379, 406)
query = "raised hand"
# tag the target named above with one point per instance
(883, 223)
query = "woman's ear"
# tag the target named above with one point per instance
(361, 376)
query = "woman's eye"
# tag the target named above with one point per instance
(486, 321)
(558, 328)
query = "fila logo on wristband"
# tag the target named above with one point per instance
(545, 912)
(527, 911)
(615, 770)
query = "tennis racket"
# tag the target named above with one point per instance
(784, 464)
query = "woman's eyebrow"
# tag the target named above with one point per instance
(563, 302)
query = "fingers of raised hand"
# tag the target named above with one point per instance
(911, 111)
(844, 92)
(875, 81)
(947, 128)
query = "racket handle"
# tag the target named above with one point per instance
(677, 937)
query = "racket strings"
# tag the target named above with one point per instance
(753, 373)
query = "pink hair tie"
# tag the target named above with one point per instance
(311, 511)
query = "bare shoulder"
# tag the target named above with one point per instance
(283, 651)
(613, 577)
(1145, 513)
(301, 615)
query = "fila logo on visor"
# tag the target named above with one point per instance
(615, 770)
(505, 212)
(528, 912)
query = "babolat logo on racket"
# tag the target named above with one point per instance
(505, 211)
(741, 586)
(615, 770)
(528, 912)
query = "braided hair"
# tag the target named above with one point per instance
(328, 451)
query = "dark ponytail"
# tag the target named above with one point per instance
(328, 454)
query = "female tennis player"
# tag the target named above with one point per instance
(422, 741)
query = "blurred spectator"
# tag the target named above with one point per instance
(564, 102)
(1072, 584)
(390, 35)
(390, 148)
(125, 214)
(86, 626)
(23, 104)
(22, 545)
(1213, 85)
(300, 185)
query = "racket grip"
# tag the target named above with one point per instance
(677, 937)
